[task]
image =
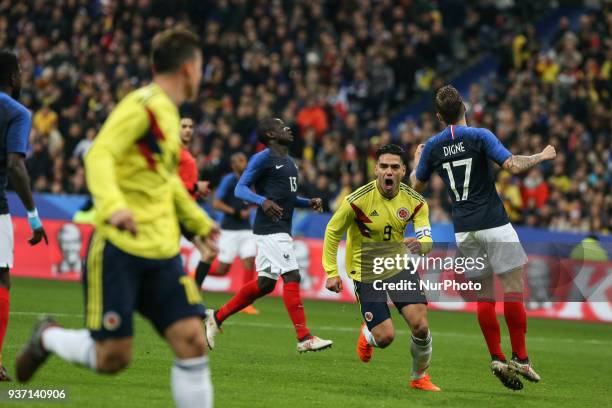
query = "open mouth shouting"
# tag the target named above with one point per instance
(388, 184)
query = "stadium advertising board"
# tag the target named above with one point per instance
(557, 287)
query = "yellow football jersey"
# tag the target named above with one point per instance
(132, 165)
(369, 217)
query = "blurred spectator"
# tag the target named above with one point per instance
(344, 190)
(44, 120)
(534, 190)
(336, 72)
(84, 145)
(510, 195)
(312, 116)
(559, 180)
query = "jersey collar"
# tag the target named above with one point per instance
(382, 195)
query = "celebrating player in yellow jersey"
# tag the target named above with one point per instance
(375, 218)
(133, 261)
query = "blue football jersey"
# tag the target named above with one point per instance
(463, 156)
(15, 126)
(275, 178)
(225, 193)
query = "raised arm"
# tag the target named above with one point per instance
(514, 164)
(517, 164)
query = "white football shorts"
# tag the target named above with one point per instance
(499, 247)
(236, 243)
(6, 241)
(275, 255)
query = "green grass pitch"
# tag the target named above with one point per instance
(255, 363)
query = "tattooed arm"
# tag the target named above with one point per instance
(519, 164)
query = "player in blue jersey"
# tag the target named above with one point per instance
(15, 126)
(236, 238)
(274, 175)
(463, 157)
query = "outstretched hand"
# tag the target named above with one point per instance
(316, 204)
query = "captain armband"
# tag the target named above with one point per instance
(423, 232)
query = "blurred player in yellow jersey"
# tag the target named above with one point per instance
(375, 218)
(133, 261)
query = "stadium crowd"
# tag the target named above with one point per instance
(336, 71)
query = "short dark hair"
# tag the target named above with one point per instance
(264, 127)
(390, 149)
(171, 48)
(449, 104)
(9, 67)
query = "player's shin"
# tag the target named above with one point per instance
(4, 315)
(245, 296)
(516, 319)
(490, 329)
(249, 275)
(74, 346)
(420, 349)
(295, 308)
(191, 384)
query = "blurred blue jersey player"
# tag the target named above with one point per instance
(274, 176)
(462, 156)
(15, 126)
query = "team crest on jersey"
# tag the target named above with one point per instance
(368, 316)
(111, 321)
(402, 213)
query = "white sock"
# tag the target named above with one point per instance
(421, 356)
(191, 385)
(75, 346)
(369, 336)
